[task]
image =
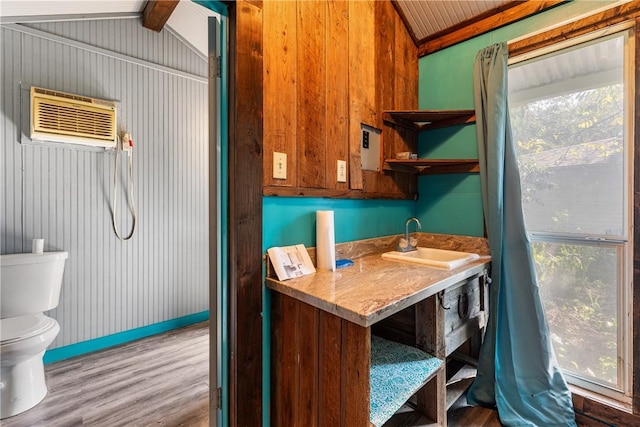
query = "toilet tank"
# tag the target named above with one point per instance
(30, 283)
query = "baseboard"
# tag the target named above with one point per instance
(596, 412)
(85, 347)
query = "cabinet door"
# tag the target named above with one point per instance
(463, 306)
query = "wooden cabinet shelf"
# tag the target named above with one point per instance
(419, 120)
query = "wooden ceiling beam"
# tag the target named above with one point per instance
(157, 12)
(481, 24)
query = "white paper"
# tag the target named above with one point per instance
(291, 261)
(37, 246)
(325, 241)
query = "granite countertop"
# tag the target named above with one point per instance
(374, 288)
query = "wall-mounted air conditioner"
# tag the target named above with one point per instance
(63, 117)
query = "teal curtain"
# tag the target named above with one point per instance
(517, 369)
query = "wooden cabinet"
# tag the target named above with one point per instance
(417, 121)
(330, 67)
(320, 367)
(321, 362)
(321, 370)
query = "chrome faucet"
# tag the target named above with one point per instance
(409, 244)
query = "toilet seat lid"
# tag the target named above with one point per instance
(21, 327)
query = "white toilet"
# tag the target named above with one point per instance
(29, 285)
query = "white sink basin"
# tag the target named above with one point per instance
(433, 257)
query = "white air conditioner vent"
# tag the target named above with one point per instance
(64, 117)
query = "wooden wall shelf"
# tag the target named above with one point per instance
(432, 166)
(419, 120)
(429, 119)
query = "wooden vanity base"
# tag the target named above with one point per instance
(320, 369)
(321, 326)
(316, 381)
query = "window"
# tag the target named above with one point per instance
(571, 114)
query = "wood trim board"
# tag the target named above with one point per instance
(577, 28)
(635, 400)
(245, 214)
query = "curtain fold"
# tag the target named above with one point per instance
(517, 369)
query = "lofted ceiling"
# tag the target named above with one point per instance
(14, 8)
(429, 17)
(188, 20)
(428, 21)
(437, 24)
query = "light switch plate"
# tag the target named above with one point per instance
(342, 171)
(279, 165)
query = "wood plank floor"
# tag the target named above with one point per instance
(157, 381)
(161, 381)
(462, 415)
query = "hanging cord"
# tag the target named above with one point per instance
(130, 180)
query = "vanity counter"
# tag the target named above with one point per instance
(374, 288)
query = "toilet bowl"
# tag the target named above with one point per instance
(29, 284)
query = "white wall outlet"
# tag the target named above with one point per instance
(127, 142)
(342, 171)
(279, 165)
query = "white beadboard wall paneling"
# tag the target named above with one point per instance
(106, 52)
(11, 198)
(63, 193)
(190, 20)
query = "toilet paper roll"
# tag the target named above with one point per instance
(37, 246)
(325, 241)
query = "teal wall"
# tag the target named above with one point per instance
(452, 204)
(292, 220)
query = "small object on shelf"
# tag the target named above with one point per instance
(404, 155)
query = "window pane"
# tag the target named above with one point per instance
(578, 284)
(567, 113)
